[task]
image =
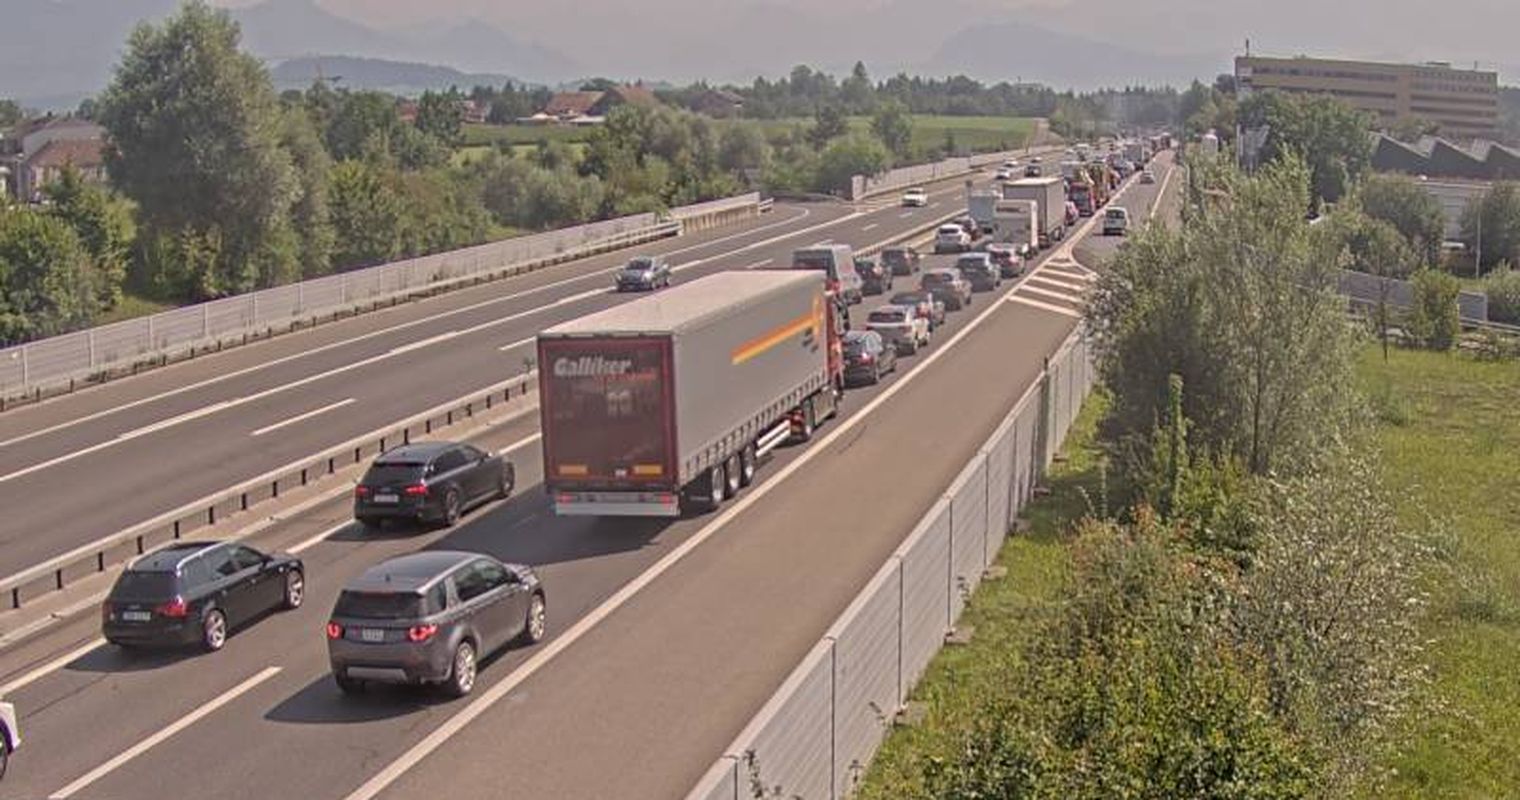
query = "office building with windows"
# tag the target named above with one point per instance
(1464, 103)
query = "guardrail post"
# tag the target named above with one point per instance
(139, 544)
(100, 561)
(211, 514)
(91, 339)
(16, 597)
(406, 435)
(176, 529)
(275, 491)
(58, 578)
(205, 320)
(243, 499)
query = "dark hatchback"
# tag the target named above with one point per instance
(430, 618)
(901, 260)
(430, 482)
(875, 277)
(196, 592)
(867, 357)
(979, 271)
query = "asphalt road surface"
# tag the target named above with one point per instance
(629, 699)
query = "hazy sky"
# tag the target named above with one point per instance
(1460, 31)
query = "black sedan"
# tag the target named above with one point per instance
(430, 482)
(867, 357)
(196, 592)
(644, 273)
(901, 260)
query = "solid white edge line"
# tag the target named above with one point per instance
(50, 667)
(302, 417)
(177, 726)
(483, 702)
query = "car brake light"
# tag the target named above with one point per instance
(417, 490)
(361, 491)
(866, 358)
(334, 630)
(418, 634)
(176, 608)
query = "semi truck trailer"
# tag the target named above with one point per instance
(668, 404)
(1049, 196)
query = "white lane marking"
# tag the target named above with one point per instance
(318, 539)
(824, 243)
(485, 700)
(1161, 195)
(172, 421)
(302, 417)
(179, 725)
(421, 343)
(1062, 310)
(758, 264)
(519, 343)
(865, 228)
(50, 667)
(123, 437)
(905, 215)
(803, 213)
(1053, 295)
(1046, 280)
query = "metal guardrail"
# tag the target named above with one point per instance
(62, 362)
(816, 736)
(98, 556)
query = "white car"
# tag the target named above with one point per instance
(951, 238)
(900, 326)
(1012, 163)
(1004, 174)
(1116, 221)
(915, 198)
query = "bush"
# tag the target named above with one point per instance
(1503, 289)
(1434, 321)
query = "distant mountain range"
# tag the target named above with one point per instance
(396, 77)
(1013, 50)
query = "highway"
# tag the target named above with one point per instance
(143, 446)
(653, 663)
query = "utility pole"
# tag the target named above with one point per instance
(1478, 257)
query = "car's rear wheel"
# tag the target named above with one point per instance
(451, 509)
(295, 589)
(213, 630)
(346, 684)
(462, 674)
(5, 753)
(537, 622)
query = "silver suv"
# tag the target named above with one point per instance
(429, 618)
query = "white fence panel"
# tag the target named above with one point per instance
(866, 675)
(968, 532)
(123, 341)
(926, 585)
(1000, 508)
(50, 359)
(793, 746)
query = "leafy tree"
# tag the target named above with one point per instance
(48, 284)
(1399, 201)
(439, 213)
(1412, 129)
(894, 127)
(847, 157)
(194, 130)
(311, 214)
(103, 225)
(10, 113)
(440, 115)
(1496, 216)
(1243, 304)
(367, 214)
(829, 123)
(1375, 247)
(355, 121)
(857, 92)
(1434, 319)
(1503, 289)
(1328, 134)
(742, 147)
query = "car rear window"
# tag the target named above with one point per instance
(144, 585)
(893, 315)
(394, 472)
(379, 605)
(949, 230)
(936, 278)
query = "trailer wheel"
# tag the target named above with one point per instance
(731, 476)
(747, 466)
(805, 433)
(717, 480)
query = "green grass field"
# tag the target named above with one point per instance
(132, 306)
(1005, 614)
(1449, 428)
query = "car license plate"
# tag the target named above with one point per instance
(372, 635)
(387, 498)
(136, 616)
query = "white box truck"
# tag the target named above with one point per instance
(1049, 197)
(1016, 222)
(669, 402)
